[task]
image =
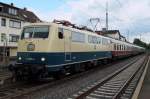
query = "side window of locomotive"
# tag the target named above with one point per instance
(89, 39)
(60, 33)
(99, 40)
(92, 39)
(78, 37)
(104, 41)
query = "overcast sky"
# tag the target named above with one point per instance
(129, 16)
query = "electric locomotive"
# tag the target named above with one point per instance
(56, 48)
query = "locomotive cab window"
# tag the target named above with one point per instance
(60, 33)
(41, 32)
(27, 33)
(35, 32)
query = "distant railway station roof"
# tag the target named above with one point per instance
(103, 32)
(112, 33)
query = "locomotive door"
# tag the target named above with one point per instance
(67, 45)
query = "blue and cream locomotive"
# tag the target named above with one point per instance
(53, 48)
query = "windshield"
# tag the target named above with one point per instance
(35, 32)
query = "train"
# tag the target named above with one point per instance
(59, 47)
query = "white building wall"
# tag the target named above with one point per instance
(9, 30)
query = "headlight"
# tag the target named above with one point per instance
(19, 58)
(42, 59)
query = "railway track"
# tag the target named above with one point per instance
(23, 90)
(119, 85)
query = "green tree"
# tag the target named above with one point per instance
(141, 43)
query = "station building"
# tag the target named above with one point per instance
(115, 34)
(12, 19)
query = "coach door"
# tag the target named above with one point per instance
(67, 43)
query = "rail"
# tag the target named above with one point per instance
(117, 88)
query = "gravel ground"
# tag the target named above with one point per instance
(68, 88)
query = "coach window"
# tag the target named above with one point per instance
(89, 39)
(99, 40)
(120, 47)
(114, 46)
(60, 33)
(94, 40)
(104, 41)
(117, 47)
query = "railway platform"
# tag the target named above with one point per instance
(143, 88)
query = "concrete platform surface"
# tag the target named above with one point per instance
(145, 90)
